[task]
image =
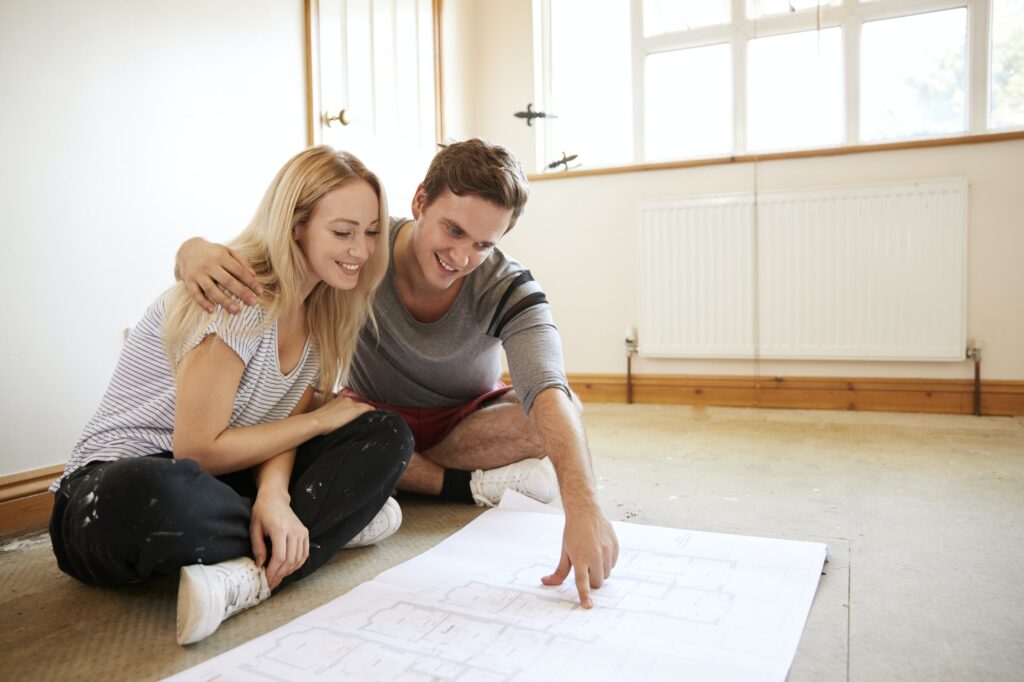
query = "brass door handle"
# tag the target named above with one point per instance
(340, 117)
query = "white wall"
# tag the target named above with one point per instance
(578, 235)
(488, 72)
(125, 127)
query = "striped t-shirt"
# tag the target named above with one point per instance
(136, 416)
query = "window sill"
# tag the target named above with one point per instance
(778, 156)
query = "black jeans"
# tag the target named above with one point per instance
(122, 522)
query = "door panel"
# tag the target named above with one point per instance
(376, 63)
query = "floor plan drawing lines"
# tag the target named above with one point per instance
(680, 604)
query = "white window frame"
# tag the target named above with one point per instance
(849, 16)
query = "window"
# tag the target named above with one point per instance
(666, 16)
(688, 107)
(1006, 104)
(795, 90)
(907, 93)
(590, 77)
(636, 81)
(763, 8)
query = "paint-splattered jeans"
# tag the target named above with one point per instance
(122, 522)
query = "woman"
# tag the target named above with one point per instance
(210, 452)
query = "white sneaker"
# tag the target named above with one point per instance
(532, 477)
(384, 524)
(209, 595)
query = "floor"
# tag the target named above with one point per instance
(922, 515)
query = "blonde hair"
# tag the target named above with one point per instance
(334, 316)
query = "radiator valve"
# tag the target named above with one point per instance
(631, 345)
(974, 350)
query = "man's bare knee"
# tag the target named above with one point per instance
(498, 433)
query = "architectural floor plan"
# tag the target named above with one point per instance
(680, 604)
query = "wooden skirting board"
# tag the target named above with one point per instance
(946, 396)
(25, 505)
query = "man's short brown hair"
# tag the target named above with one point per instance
(478, 167)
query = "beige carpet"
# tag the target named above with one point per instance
(923, 515)
(56, 628)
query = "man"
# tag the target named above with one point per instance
(450, 303)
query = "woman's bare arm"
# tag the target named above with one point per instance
(207, 384)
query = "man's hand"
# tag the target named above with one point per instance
(212, 273)
(272, 517)
(589, 545)
(591, 549)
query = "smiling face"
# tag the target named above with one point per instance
(454, 235)
(341, 234)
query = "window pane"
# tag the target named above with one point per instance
(688, 103)
(665, 16)
(1007, 87)
(591, 83)
(913, 75)
(760, 8)
(795, 90)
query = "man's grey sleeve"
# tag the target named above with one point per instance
(534, 352)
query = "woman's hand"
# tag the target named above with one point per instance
(339, 411)
(273, 518)
(211, 271)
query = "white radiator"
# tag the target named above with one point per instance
(859, 273)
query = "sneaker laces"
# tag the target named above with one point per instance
(507, 477)
(530, 477)
(376, 526)
(242, 589)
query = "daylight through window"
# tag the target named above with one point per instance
(636, 81)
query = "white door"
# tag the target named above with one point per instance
(377, 67)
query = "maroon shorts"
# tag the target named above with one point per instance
(430, 425)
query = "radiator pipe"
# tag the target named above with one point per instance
(629, 379)
(630, 351)
(974, 353)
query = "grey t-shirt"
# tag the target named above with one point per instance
(458, 358)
